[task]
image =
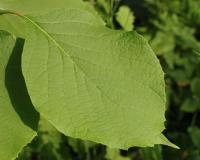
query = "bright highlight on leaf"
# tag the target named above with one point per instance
(91, 82)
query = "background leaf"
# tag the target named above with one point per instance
(125, 18)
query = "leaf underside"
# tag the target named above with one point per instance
(89, 81)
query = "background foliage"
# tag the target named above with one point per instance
(173, 30)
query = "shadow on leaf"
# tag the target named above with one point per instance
(17, 90)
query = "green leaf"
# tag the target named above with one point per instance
(28, 6)
(125, 18)
(190, 105)
(163, 43)
(197, 52)
(86, 79)
(18, 120)
(195, 87)
(194, 132)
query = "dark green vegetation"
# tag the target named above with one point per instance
(173, 30)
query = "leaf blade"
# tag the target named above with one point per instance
(18, 121)
(89, 88)
(93, 77)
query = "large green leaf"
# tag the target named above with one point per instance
(91, 82)
(18, 120)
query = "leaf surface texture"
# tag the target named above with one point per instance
(89, 81)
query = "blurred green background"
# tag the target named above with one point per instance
(172, 28)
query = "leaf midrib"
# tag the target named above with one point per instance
(63, 50)
(71, 58)
(47, 35)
